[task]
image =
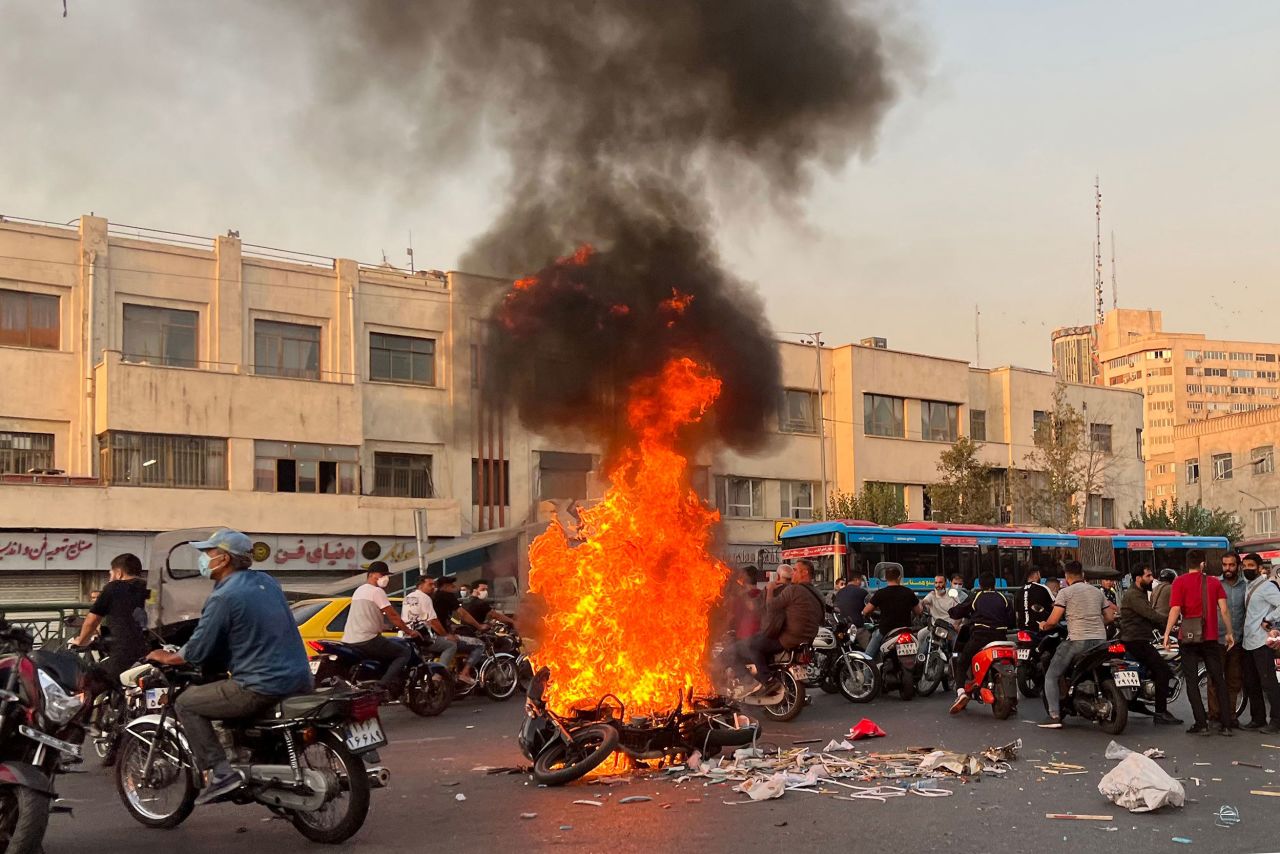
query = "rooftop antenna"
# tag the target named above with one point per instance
(1115, 292)
(977, 337)
(410, 251)
(1099, 306)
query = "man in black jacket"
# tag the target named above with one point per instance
(1138, 620)
(1034, 602)
(990, 617)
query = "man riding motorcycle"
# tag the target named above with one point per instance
(793, 614)
(247, 629)
(1138, 620)
(990, 617)
(1087, 613)
(1034, 603)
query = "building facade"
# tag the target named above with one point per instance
(1230, 462)
(1074, 355)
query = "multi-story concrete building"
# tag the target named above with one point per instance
(159, 381)
(1073, 354)
(1230, 462)
(1184, 377)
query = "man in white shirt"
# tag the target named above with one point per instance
(369, 604)
(938, 604)
(418, 610)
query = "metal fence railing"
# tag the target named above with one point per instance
(46, 621)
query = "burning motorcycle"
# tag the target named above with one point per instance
(428, 685)
(564, 749)
(303, 758)
(41, 722)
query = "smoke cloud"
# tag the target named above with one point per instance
(618, 119)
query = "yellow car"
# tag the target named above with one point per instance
(326, 619)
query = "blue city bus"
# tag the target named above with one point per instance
(928, 549)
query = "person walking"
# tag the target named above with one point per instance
(1262, 614)
(1235, 659)
(1201, 603)
(1139, 622)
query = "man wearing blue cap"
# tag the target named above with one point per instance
(246, 628)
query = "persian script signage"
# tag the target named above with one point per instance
(64, 550)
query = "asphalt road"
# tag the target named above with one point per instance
(432, 760)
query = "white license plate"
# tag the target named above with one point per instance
(908, 648)
(1024, 654)
(365, 735)
(1127, 679)
(157, 698)
(315, 666)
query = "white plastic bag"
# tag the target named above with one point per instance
(1140, 785)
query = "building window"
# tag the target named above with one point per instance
(403, 475)
(1222, 465)
(798, 499)
(978, 425)
(1192, 468)
(160, 336)
(740, 497)
(1100, 437)
(302, 467)
(1039, 422)
(286, 350)
(29, 320)
(154, 459)
(1101, 512)
(798, 412)
(1265, 357)
(1263, 459)
(563, 475)
(402, 359)
(1138, 441)
(939, 422)
(1264, 521)
(1241, 357)
(490, 483)
(882, 416)
(25, 452)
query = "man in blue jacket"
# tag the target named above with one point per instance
(245, 628)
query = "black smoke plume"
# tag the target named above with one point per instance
(618, 118)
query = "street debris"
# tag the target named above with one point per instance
(635, 799)
(1182, 840)
(1248, 765)
(865, 728)
(1070, 816)
(587, 803)
(1227, 816)
(1115, 750)
(1265, 793)
(1140, 785)
(459, 797)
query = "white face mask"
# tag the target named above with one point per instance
(482, 594)
(383, 581)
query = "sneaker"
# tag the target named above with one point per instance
(1223, 730)
(1165, 719)
(1253, 725)
(1050, 723)
(962, 700)
(220, 785)
(1270, 729)
(1198, 729)
(466, 680)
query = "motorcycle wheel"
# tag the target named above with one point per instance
(563, 763)
(1028, 685)
(1119, 719)
(935, 671)
(24, 815)
(793, 699)
(342, 815)
(500, 677)
(524, 670)
(110, 717)
(858, 680)
(427, 697)
(907, 685)
(1004, 705)
(172, 783)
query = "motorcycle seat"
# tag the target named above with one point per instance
(298, 706)
(999, 644)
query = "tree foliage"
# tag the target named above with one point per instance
(1194, 519)
(877, 502)
(964, 492)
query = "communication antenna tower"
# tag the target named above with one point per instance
(1099, 307)
(1115, 292)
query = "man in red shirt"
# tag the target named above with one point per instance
(1186, 601)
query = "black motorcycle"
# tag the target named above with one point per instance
(304, 758)
(565, 748)
(836, 664)
(1035, 650)
(1091, 691)
(41, 726)
(899, 660)
(427, 685)
(937, 643)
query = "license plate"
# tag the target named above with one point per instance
(1127, 679)
(1024, 654)
(314, 665)
(157, 698)
(908, 648)
(365, 735)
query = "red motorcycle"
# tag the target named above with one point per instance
(993, 679)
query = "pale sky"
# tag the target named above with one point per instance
(980, 190)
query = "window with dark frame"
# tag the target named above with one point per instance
(163, 460)
(939, 422)
(1192, 468)
(978, 425)
(488, 477)
(1040, 422)
(740, 497)
(402, 475)
(883, 416)
(402, 359)
(29, 320)
(1222, 466)
(798, 499)
(154, 335)
(286, 350)
(1100, 437)
(305, 467)
(1263, 459)
(24, 452)
(798, 412)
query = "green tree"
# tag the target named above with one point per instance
(877, 502)
(964, 492)
(1193, 519)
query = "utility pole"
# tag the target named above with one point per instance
(822, 423)
(1115, 293)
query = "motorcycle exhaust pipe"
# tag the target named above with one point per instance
(379, 777)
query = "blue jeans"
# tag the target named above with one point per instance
(1063, 658)
(474, 650)
(873, 645)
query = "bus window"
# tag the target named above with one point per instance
(863, 558)
(818, 549)
(1013, 565)
(1052, 560)
(918, 561)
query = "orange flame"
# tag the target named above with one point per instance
(628, 605)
